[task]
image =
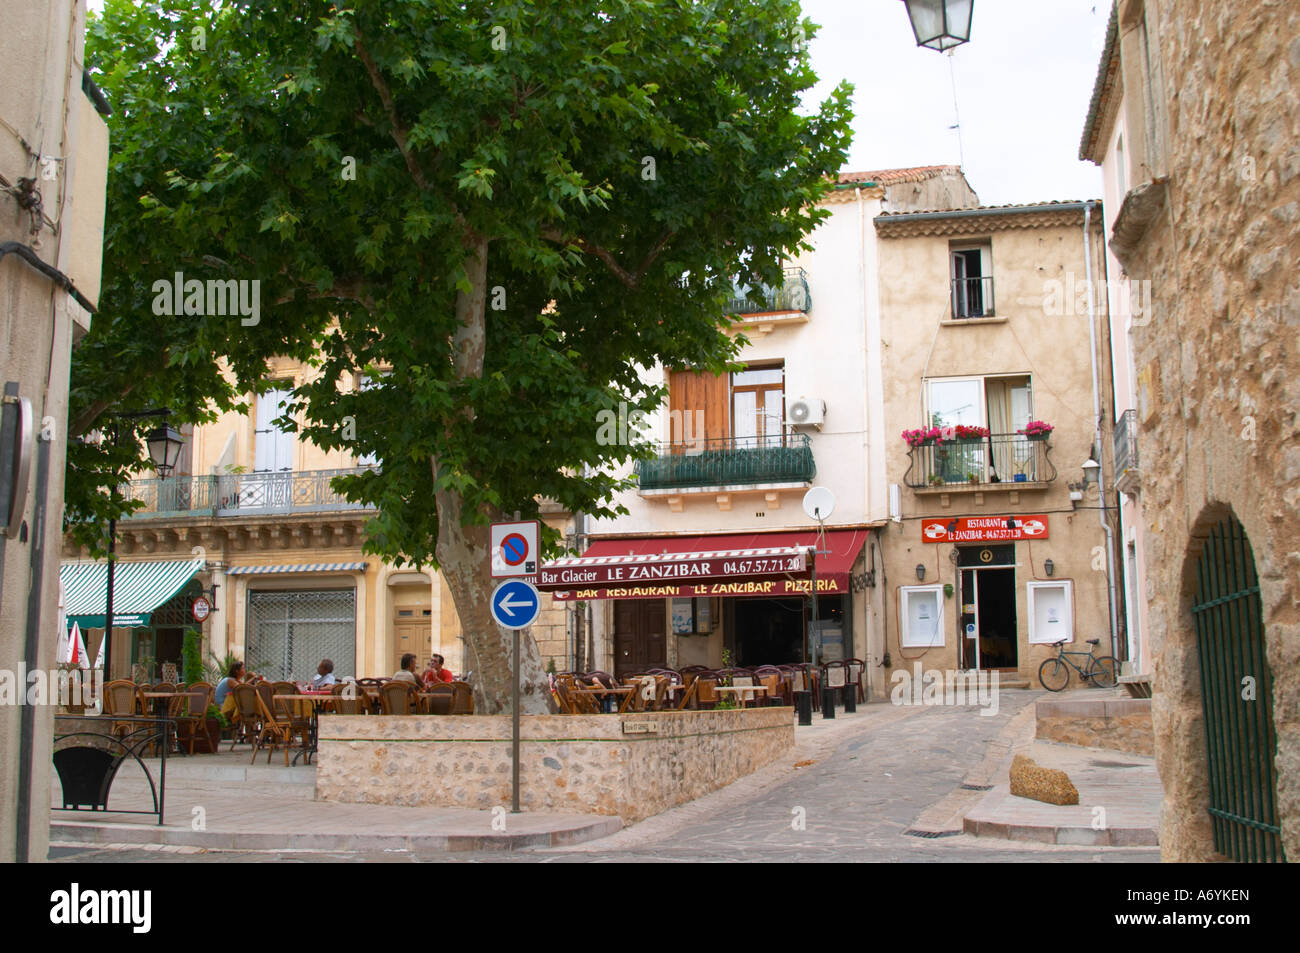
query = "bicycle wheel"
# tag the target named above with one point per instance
(1054, 674)
(1104, 672)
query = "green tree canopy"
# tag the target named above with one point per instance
(499, 212)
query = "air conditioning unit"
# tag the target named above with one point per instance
(805, 412)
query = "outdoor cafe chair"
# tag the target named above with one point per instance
(462, 698)
(191, 716)
(771, 678)
(705, 695)
(278, 728)
(120, 699)
(571, 702)
(355, 705)
(398, 698)
(854, 669)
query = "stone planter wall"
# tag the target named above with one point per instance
(1120, 724)
(590, 764)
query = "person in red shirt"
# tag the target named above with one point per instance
(435, 673)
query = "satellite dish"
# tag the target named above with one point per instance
(819, 503)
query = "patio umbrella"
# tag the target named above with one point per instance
(62, 645)
(77, 648)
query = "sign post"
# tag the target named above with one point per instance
(515, 605)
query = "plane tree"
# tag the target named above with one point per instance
(478, 222)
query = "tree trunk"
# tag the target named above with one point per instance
(463, 551)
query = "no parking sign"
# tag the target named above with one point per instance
(514, 548)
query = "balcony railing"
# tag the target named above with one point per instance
(972, 297)
(793, 295)
(1001, 459)
(731, 461)
(236, 494)
(1126, 447)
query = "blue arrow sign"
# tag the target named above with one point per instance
(515, 604)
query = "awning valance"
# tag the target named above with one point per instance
(138, 589)
(296, 567)
(776, 565)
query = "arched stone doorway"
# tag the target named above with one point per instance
(1236, 697)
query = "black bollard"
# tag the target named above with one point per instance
(850, 698)
(803, 706)
(828, 702)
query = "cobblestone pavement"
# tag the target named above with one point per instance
(848, 792)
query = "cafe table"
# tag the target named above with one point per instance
(318, 700)
(162, 706)
(758, 689)
(605, 702)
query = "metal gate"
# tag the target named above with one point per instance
(1237, 698)
(290, 632)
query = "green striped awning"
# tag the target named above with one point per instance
(138, 589)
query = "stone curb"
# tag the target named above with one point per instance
(1067, 835)
(110, 833)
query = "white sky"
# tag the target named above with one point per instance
(1023, 86)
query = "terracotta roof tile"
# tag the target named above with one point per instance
(896, 176)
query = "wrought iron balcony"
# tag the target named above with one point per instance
(236, 494)
(730, 461)
(1002, 460)
(972, 298)
(793, 295)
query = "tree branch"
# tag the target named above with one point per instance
(629, 278)
(390, 108)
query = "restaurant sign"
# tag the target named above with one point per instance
(671, 569)
(771, 588)
(983, 529)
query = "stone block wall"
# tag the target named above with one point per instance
(587, 764)
(1120, 724)
(1218, 368)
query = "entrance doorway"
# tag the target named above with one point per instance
(768, 631)
(413, 632)
(639, 635)
(989, 632)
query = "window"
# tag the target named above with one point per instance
(1002, 405)
(368, 459)
(921, 617)
(1051, 612)
(758, 406)
(273, 446)
(972, 281)
(290, 632)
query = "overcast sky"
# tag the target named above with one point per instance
(1023, 86)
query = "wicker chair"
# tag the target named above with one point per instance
(462, 698)
(398, 698)
(279, 729)
(120, 699)
(349, 703)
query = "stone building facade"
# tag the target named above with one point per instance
(1207, 99)
(54, 162)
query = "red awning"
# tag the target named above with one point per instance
(775, 565)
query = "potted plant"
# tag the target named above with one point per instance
(1036, 430)
(936, 480)
(973, 479)
(191, 656)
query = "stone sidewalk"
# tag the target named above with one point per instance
(1119, 794)
(221, 802)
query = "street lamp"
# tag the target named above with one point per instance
(164, 443)
(940, 24)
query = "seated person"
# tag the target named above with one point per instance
(435, 673)
(223, 696)
(324, 676)
(407, 672)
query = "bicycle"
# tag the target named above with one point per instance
(1102, 670)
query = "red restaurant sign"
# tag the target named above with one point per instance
(983, 529)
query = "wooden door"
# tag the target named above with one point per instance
(412, 634)
(639, 635)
